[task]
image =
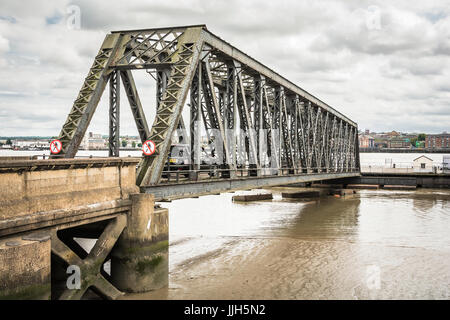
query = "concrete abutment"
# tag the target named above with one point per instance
(46, 205)
(139, 261)
(25, 267)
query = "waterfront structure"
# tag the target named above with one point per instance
(437, 141)
(423, 164)
(399, 142)
(93, 141)
(393, 133)
(366, 141)
(380, 143)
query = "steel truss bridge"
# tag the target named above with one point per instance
(288, 136)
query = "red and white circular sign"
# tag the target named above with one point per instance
(149, 147)
(55, 146)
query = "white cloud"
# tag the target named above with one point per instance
(385, 74)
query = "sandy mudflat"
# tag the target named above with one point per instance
(288, 268)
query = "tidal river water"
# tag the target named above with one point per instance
(372, 245)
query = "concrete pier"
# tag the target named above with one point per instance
(327, 186)
(252, 197)
(420, 180)
(363, 186)
(139, 262)
(399, 187)
(25, 267)
(342, 192)
(304, 194)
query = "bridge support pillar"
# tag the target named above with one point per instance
(139, 261)
(25, 267)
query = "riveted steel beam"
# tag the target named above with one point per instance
(114, 114)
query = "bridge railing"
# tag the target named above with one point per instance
(180, 176)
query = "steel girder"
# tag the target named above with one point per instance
(195, 118)
(114, 114)
(282, 127)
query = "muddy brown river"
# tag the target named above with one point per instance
(373, 245)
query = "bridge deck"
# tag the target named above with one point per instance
(186, 189)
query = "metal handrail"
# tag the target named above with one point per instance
(214, 172)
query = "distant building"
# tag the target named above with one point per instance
(399, 142)
(393, 134)
(423, 164)
(93, 141)
(381, 144)
(134, 141)
(438, 141)
(366, 142)
(367, 132)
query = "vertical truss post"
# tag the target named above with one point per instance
(286, 130)
(301, 133)
(114, 114)
(356, 144)
(272, 147)
(222, 99)
(276, 125)
(316, 134)
(324, 143)
(338, 146)
(210, 118)
(258, 116)
(318, 139)
(162, 77)
(246, 123)
(195, 118)
(230, 114)
(346, 147)
(218, 122)
(309, 150)
(294, 132)
(332, 144)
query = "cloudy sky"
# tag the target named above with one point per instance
(384, 65)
